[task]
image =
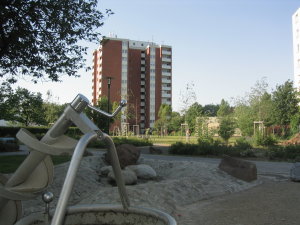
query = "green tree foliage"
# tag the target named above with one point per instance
(194, 111)
(175, 122)
(245, 119)
(285, 98)
(295, 123)
(51, 109)
(205, 134)
(210, 109)
(255, 106)
(227, 127)
(100, 120)
(41, 38)
(224, 109)
(5, 93)
(26, 107)
(164, 114)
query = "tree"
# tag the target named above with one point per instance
(211, 109)
(187, 97)
(41, 38)
(227, 127)
(224, 109)
(27, 107)
(175, 122)
(100, 120)
(244, 119)
(164, 114)
(285, 99)
(194, 111)
(255, 106)
(5, 106)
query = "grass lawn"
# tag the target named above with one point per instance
(168, 140)
(8, 164)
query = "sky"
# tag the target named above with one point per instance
(222, 47)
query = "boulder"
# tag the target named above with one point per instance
(128, 175)
(238, 168)
(105, 170)
(295, 172)
(153, 150)
(143, 171)
(128, 155)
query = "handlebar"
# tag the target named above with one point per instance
(121, 105)
(80, 102)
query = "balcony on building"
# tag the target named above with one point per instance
(165, 66)
(166, 52)
(166, 81)
(165, 73)
(165, 95)
(165, 88)
(165, 59)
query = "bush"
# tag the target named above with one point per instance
(206, 148)
(180, 148)
(265, 140)
(122, 140)
(242, 143)
(39, 132)
(289, 152)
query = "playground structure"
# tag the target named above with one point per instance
(35, 174)
(126, 130)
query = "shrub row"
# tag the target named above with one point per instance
(122, 140)
(289, 152)
(37, 131)
(210, 149)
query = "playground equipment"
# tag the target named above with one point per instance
(36, 173)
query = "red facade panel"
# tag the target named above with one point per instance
(112, 67)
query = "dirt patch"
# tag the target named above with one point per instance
(293, 141)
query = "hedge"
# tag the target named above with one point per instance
(37, 131)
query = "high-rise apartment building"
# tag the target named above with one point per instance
(140, 72)
(296, 47)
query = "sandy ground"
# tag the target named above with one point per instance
(194, 193)
(271, 203)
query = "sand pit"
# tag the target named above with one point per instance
(178, 184)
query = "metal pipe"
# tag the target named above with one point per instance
(70, 178)
(121, 105)
(117, 170)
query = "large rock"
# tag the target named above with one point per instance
(128, 175)
(128, 155)
(238, 168)
(295, 172)
(105, 170)
(143, 171)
